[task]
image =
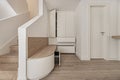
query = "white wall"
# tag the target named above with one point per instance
(83, 30)
(113, 49)
(8, 30)
(78, 35)
(118, 29)
(40, 27)
(19, 6)
(6, 10)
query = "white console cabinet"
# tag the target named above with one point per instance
(62, 31)
(66, 45)
(66, 49)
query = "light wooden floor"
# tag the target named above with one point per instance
(73, 69)
(8, 66)
(8, 71)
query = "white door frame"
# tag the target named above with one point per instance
(98, 3)
(102, 35)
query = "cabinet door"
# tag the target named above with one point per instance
(52, 29)
(65, 24)
(70, 28)
(61, 24)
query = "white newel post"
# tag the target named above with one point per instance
(23, 51)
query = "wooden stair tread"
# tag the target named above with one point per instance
(8, 67)
(9, 58)
(46, 51)
(9, 55)
(8, 75)
(9, 64)
(14, 45)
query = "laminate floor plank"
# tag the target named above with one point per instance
(73, 69)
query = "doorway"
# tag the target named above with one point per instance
(98, 18)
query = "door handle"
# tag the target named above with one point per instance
(102, 33)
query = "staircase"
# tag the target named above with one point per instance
(9, 64)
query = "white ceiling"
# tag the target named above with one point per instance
(62, 4)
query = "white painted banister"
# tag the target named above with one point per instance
(22, 54)
(23, 43)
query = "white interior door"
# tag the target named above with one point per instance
(52, 29)
(98, 31)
